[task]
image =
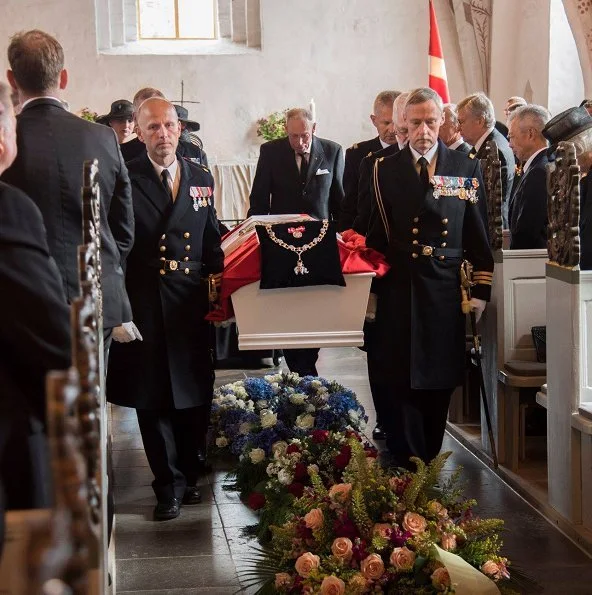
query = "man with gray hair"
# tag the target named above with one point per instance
(382, 119)
(477, 125)
(300, 173)
(428, 215)
(527, 212)
(450, 130)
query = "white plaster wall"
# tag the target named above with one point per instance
(339, 52)
(565, 72)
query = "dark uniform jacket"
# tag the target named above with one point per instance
(419, 317)
(52, 146)
(132, 149)
(463, 148)
(508, 163)
(176, 245)
(277, 188)
(188, 150)
(586, 223)
(362, 218)
(34, 339)
(351, 176)
(528, 207)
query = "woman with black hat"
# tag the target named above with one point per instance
(121, 119)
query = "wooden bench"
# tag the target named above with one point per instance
(516, 375)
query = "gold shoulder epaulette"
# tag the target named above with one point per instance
(204, 168)
(380, 159)
(369, 154)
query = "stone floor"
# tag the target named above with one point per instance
(200, 551)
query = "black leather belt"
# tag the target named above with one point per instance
(429, 251)
(176, 265)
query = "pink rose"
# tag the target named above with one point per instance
(342, 548)
(382, 530)
(440, 578)
(434, 507)
(332, 585)
(414, 523)
(340, 492)
(314, 519)
(402, 558)
(495, 570)
(448, 542)
(306, 564)
(282, 579)
(372, 567)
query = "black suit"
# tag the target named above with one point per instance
(52, 146)
(351, 177)
(419, 322)
(278, 189)
(508, 162)
(168, 377)
(528, 207)
(34, 338)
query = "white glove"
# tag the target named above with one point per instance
(371, 308)
(126, 333)
(477, 306)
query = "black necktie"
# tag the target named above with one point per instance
(424, 175)
(166, 176)
(472, 152)
(303, 167)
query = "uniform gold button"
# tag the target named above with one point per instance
(186, 234)
(162, 258)
(187, 248)
(444, 233)
(415, 231)
(163, 236)
(187, 271)
(186, 258)
(162, 271)
(163, 248)
(443, 244)
(444, 221)
(440, 257)
(415, 219)
(413, 255)
(415, 242)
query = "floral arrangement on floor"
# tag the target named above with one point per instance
(272, 127)
(256, 413)
(376, 532)
(271, 484)
(86, 114)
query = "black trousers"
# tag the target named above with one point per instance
(302, 361)
(415, 423)
(173, 439)
(379, 392)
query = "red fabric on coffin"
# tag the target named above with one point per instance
(243, 266)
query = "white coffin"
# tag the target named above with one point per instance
(315, 316)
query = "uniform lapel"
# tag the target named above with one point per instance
(183, 200)
(152, 187)
(317, 155)
(410, 180)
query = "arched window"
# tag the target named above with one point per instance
(176, 19)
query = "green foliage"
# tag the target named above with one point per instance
(87, 114)
(272, 127)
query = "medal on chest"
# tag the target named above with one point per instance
(201, 196)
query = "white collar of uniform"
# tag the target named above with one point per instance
(159, 169)
(456, 143)
(429, 155)
(383, 144)
(41, 97)
(402, 146)
(482, 139)
(531, 159)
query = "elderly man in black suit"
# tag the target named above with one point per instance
(450, 130)
(477, 125)
(299, 174)
(34, 335)
(382, 119)
(425, 236)
(52, 146)
(168, 377)
(528, 206)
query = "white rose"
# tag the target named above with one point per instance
(279, 448)
(231, 398)
(221, 441)
(272, 377)
(257, 455)
(250, 405)
(275, 387)
(316, 384)
(268, 420)
(261, 404)
(322, 391)
(284, 477)
(298, 398)
(353, 415)
(240, 404)
(305, 421)
(241, 393)
(310, 408)
(271, 469)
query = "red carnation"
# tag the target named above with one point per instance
(341, 461)
(256, 500)
(352, 434)
(296, 489)
(371, 452)
(300, 472)
(292, 448)
(320, 436)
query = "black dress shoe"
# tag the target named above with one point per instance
(192, 496)
(378, 433)
(167, 510)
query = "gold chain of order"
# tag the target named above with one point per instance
(300, 269)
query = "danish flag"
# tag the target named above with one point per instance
(437, 79)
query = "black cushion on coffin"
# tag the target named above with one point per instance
(322, 260)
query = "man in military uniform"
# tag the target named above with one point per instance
(426, 220)
(168, 377)
(450, 130)
(382, 119)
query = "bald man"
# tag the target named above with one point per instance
(168, 376)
